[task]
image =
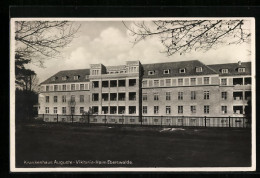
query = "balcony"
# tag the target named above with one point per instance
(238, 96)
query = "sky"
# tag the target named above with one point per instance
(109, 43)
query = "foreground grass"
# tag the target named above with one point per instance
(144, 147)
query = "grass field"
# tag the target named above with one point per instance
(142, 146)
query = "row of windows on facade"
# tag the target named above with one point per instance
(167, 82)
(206, 95)
(114, 83)
(193, 81)
(197, 69)
(130, 70)
(168, 71)
(239, 95)
(64, 78)
(72, 87)
(105, 110)
(132, 110)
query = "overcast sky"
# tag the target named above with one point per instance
(108, 43)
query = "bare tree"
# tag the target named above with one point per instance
(37, 41)
(183, 36)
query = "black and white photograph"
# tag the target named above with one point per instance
(132, 94)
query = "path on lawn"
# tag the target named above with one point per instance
(143, 146)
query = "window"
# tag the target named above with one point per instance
(76, 77)
(156, 96)
(180, 109)
(113, 96)
(64, 87)
(168, 95)
(95, 84)
(132, 109)
(47, 99)
(193, 81)
(144, 96)
(113, 83)
(55, 99)
(64, 98)
(193, 95)
(224, 109)
(193, 109)
(55, 110)
(53, 78)
(237, 81)
(144, 109)
(132, 95)
(47, 88)
(156, 109)
(81, 98)
(132, 82)
(121, 109)
(72, 98)
(248, 95)
(241, 69)
(248, 81)
(224, 95)
(166, 71)
(206, 80)
(81, 110)
(224, 71)
(168, 109)
(223, 81)
(151, 72)
(95, 97)
(87, 77)
(182, 70)
(180, 95)
(168, 82)
(206, 95)
(206, 109)
(81, 86)
(104, 96)
(95, 71)
(198, 69)
(180, 81)
(105, 84)
(55, 87)
(64, 78)
(47, 110)
(145, 83)
(72, 110)
(121, 83)
(238, 95)
(121, 96)
(63, 110)
(72, 87)
(156, 83)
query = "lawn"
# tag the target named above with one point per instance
(79, 145)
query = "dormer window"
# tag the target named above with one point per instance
(64, 78)
(76, 77)
(53, 78)
(151, 72)
(198, 69)
(241, 69)
(166, 71)
(224, 71)
(87, 77)
(182, 70)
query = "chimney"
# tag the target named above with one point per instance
(239, 63)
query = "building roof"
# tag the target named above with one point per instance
(174, 67)
(70, 76)
(232, 68)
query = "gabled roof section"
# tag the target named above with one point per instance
(70, 76)
(232, 68)
(189, 66)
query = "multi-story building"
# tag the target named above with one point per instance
(187, 88)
